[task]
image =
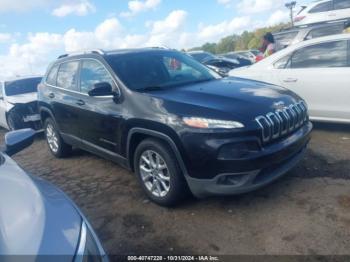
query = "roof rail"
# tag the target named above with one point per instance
(92, 51)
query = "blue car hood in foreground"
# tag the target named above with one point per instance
(36, 218)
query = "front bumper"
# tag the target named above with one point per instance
(270, 164)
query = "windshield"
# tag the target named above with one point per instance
(158, 70)
(23, 86)
(203, 56)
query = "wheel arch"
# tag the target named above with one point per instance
(138, 134)
(45, 113)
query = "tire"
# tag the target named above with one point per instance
(14, 121)
(164, 182)
(54, 140)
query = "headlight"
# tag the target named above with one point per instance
(211, 123)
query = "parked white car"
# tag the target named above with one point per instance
(318, 70)
(18, 103)
(323, 11)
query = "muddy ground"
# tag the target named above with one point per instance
(306, 212)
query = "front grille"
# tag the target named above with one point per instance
(282, 122)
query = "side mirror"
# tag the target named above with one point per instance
(18, 140)
(101, 89)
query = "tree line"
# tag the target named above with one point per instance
(245, 41)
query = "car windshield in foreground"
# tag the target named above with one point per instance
(23, 86)
(158, 70)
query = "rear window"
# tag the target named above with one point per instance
(23, 86)
(323, 7)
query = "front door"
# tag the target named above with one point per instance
(100, 117)
(321, 78)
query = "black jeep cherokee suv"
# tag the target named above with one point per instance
(176, 124)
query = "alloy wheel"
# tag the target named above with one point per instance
(154, 173)
(52, 138)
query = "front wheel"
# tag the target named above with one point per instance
(55, 142)
(159, 173)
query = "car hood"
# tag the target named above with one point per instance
(226, 98)
(23, 98)
(36, 218)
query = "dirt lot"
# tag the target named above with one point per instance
(307, 212)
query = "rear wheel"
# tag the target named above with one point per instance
(55, 142)
(159, 173)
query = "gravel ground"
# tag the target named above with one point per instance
(306, 212)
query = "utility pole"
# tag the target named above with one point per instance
(291, 5)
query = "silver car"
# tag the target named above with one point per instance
(37, 218)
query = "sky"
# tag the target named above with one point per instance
(34, 32)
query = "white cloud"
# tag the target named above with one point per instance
(5, 37)
(277, 17)
(213, 33)
(80, 8)
(138, 6)
(21, 6)
(258, 6)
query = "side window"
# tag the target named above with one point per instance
(319, 56)
(67, 75)
(323, 7)
(341, 4)
(324, 31)
(283, 63)
(52, 76)
(93, 72)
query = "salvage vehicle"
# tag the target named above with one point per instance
(37, 218)
(241, 59)
(323, 11)
(318, 70)
(219, 64)
(18, 103)
(180, 128)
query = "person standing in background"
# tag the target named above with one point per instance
(268, 45)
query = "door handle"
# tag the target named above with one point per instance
(51, 95)
(80, 102)
(290, 80)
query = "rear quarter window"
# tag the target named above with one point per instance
(322, 7)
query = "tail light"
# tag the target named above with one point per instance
(299, 18)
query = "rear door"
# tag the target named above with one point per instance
(341, 9)
(320, 73)
(65, 99)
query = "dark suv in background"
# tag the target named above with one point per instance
(178, 125)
